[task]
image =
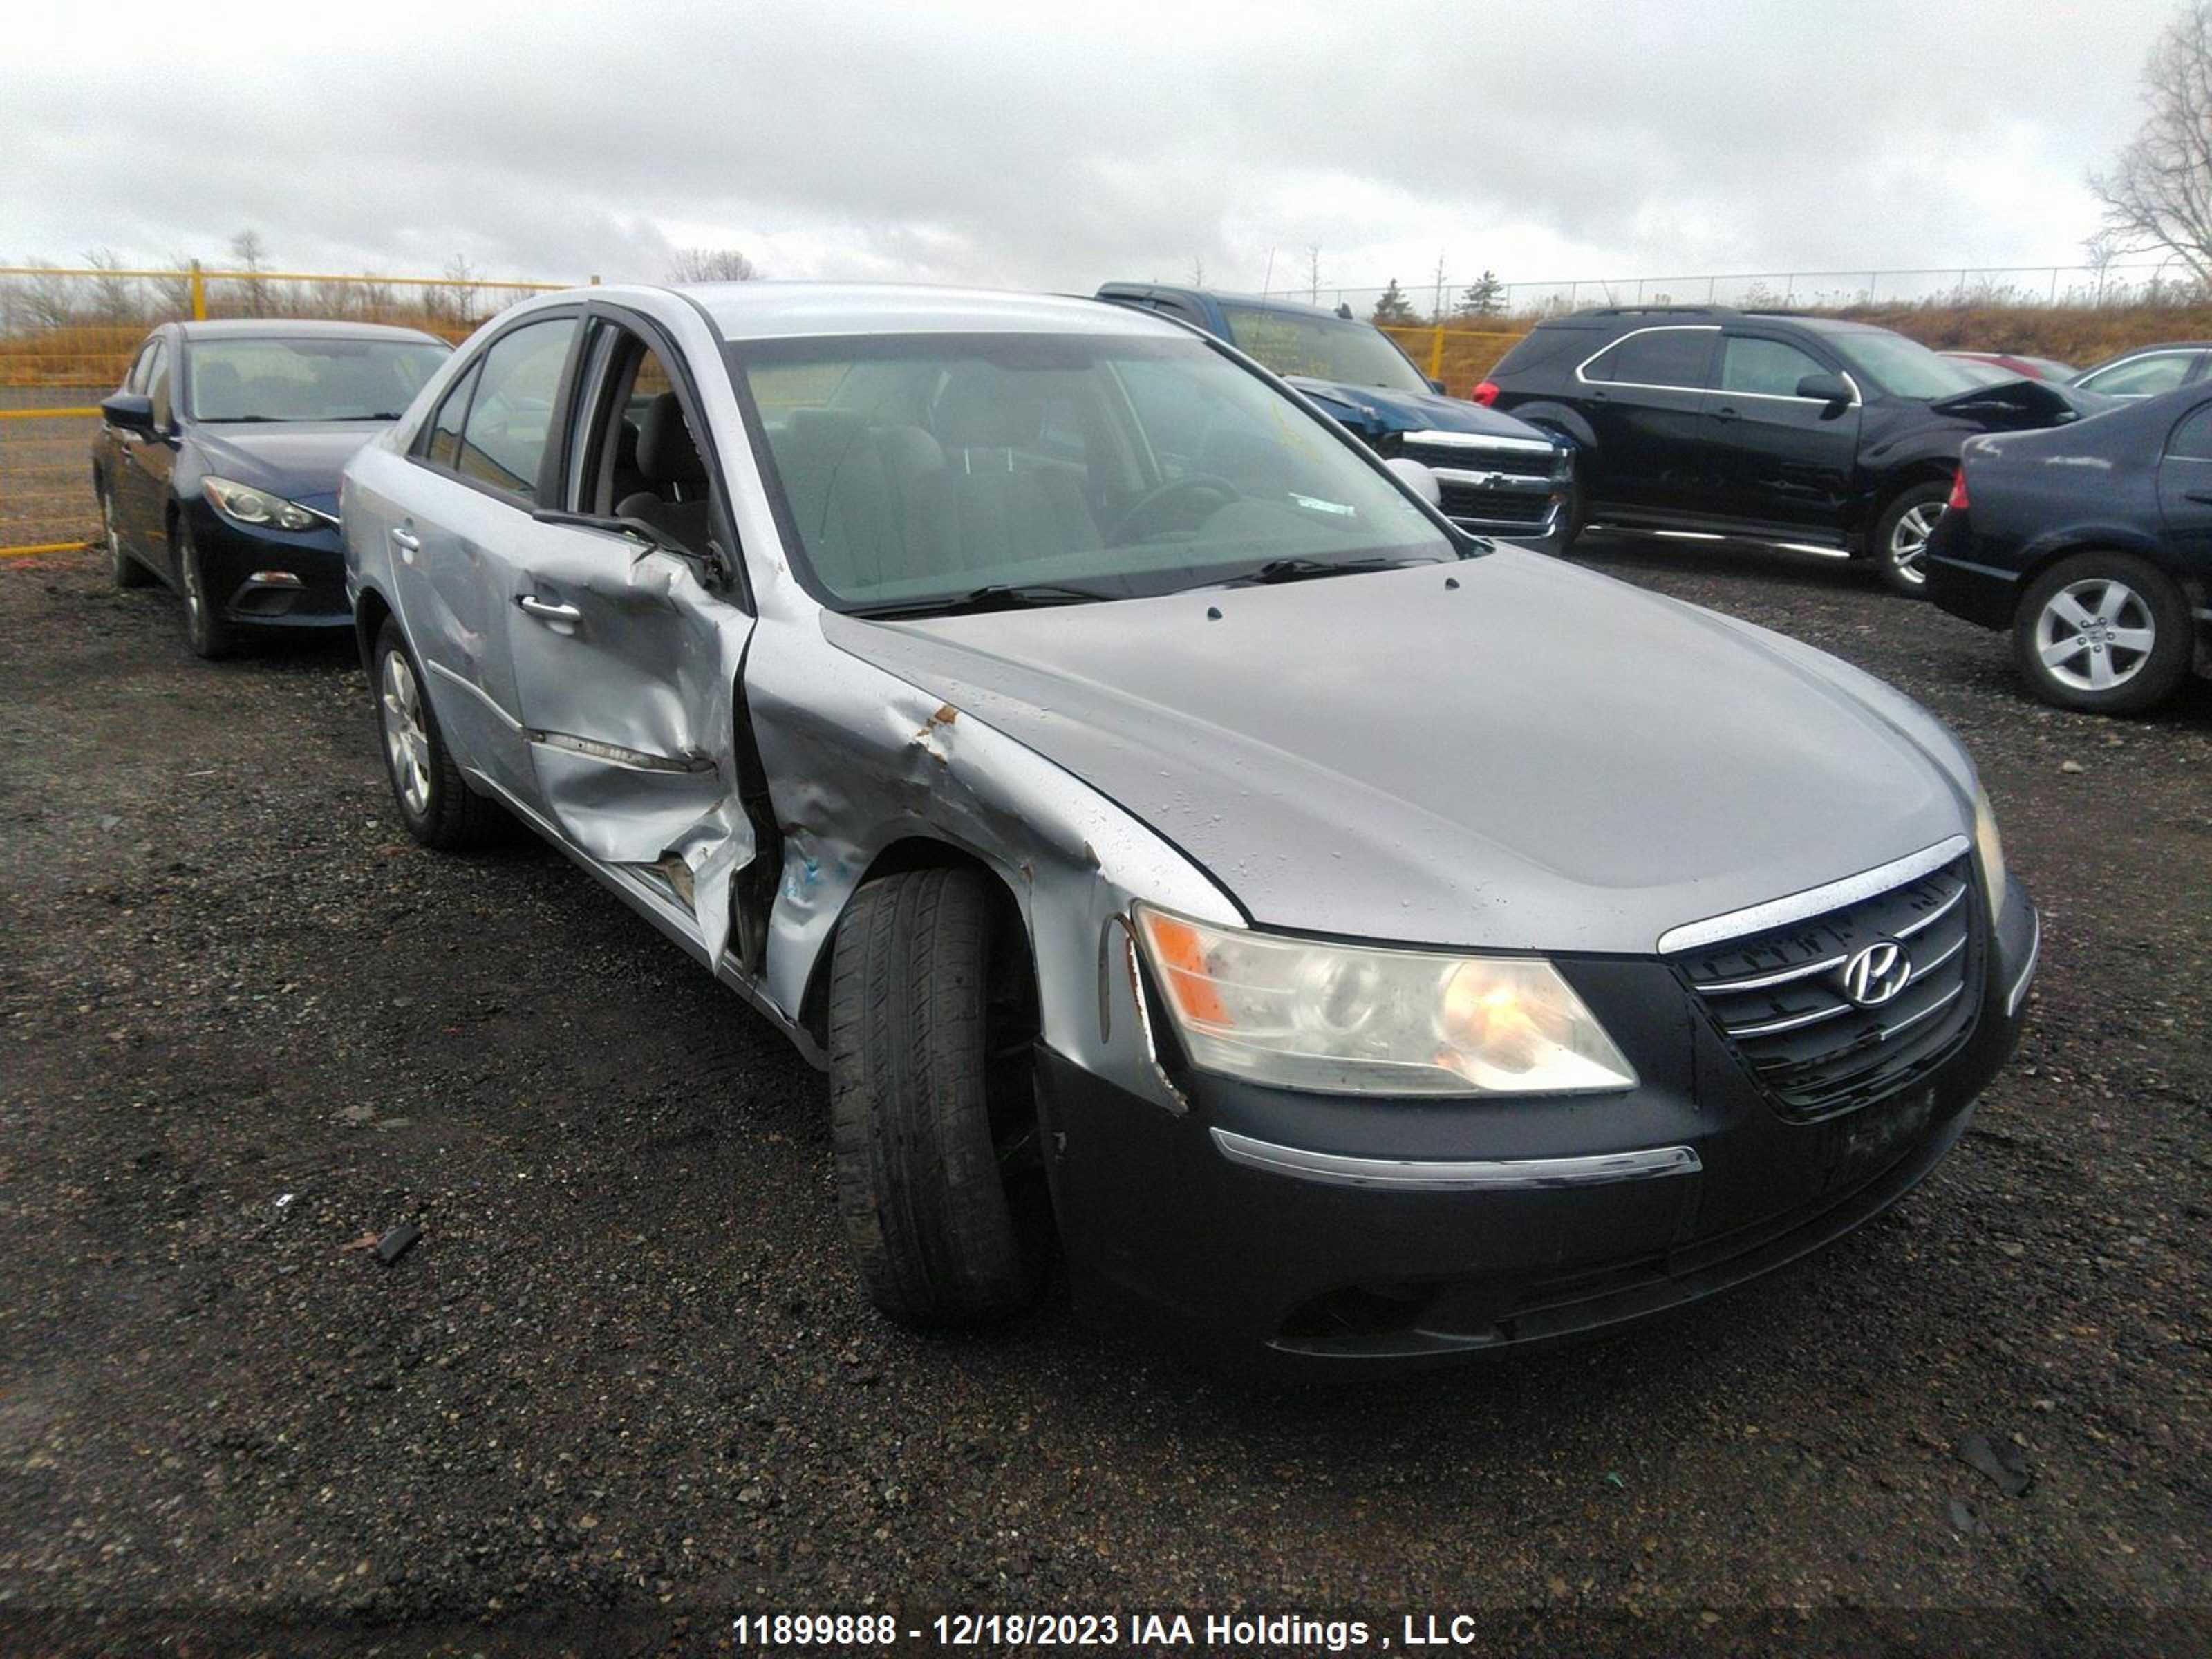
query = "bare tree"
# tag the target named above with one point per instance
(1198, 271)
(48, 298)
(711, 265)
(2158, 193)
(252, 255)
(1313, 273)
(172, 293)
(115, 296)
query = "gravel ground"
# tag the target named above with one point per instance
(625, 1387)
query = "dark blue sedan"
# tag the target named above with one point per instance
(217, 461)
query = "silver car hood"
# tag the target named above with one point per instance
(1538, 757)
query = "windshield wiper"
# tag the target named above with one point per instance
(1302, 569)
(996, 596)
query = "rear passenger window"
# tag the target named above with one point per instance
(445, 446)
(509, 419)
(2145, 377)
(1764, 369)
(1657, 356)
(2192, 439)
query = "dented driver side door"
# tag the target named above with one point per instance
(626, 659)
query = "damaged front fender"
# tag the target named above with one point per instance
(859, 760)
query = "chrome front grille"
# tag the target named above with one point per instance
(1779, 1001)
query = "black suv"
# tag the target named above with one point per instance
(1764, 426)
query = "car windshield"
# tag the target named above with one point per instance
(273, 378)
(1321, 347)
(938, 471)
(1905, 368)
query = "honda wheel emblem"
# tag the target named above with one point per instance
(1877, 973)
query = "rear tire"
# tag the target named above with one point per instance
(125, 571)
(2114, 618)
(939, 1182)
(206, 632)
(1899, 546)
(435, 800)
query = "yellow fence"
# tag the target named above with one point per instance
(67, 338)
(1459, 358)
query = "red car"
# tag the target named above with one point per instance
(2032, 369)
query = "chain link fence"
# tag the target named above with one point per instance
(67, 337)
(1506, 306)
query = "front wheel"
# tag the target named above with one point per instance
(205, 630)
(940, 1181)
(2105, 633)
(1900, 538)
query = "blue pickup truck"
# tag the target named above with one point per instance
(1496, 476)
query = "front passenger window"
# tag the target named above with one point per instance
(1764, 369)
(510, 418)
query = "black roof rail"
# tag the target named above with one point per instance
(1639, 311)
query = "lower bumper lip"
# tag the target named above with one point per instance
(1455, 1176)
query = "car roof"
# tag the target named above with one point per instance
(298, 328)
(765, 310)
(1223, 296)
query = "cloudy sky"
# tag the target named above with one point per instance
(1038, 145)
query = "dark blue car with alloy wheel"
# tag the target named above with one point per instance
(217, 460)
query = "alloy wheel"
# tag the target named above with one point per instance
(1908, 541)
(406, 741)
(2095, 635)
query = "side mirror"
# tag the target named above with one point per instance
(131, 411)
(1825, 388)
(1437, 386)
(1417, 479)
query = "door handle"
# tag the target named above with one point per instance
(408, 545)
(548, 610)
(1724, 413)
(2202, 498)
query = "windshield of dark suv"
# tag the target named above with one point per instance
(308, 380)
(1321, 347)
(1903, 367)
(936, 471)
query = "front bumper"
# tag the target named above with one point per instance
(269, 577)
(1304, 1231)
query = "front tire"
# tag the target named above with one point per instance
(435, 802)
(125, 571)
(939, 1182)
(2104, 633)
(1900, 538)
(206, 632)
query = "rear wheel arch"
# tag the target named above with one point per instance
(370, 612)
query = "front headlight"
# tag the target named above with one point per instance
(1303, 1015)
(249, 506)
(1990, 850)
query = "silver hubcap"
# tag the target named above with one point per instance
(1908, 543)
(407, 743)
(2095, 635)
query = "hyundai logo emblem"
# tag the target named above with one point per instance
(1876, 974)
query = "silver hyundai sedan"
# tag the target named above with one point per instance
(1340, 937)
